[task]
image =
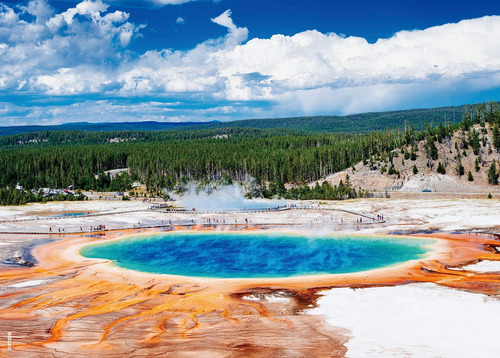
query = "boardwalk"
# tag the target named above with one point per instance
(168, 222)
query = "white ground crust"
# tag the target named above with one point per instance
(437, 183)
(484, 266)
(27, 283)
(417, 320)
(447, 215)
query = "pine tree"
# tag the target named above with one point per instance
(460, 167)
(470, 177)
(493, 174)
(432, 151)
(413, 155)
(466, 119)
(415, 169)
(474, 141)
(441, 169)
(496, 137)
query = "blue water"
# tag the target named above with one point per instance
(70, 214)
(235, 255)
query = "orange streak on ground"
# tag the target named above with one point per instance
(179, 228)
(156, 311)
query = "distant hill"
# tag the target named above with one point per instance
(363, 122)
(103, 127)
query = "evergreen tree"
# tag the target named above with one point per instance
(415, 169)
(496, 137)
(441, 169)
(432, 151)
(474, 141)
(493, 174)
(460, 167)
(466, 119)
(469, 176)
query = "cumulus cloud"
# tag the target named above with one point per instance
(236, 34)
(83, 43)
(84, 50)
(89, 8)
(310, 62)
(40, 9)
(70, 81)
(180, 20)
(311, 59)
(192, 71)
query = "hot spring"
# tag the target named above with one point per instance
(251, 255)
(70, 214)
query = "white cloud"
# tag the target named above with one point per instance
(180, 20)
(328, 63)
(84, 37)
(84, 50)
(237, 35)
(89, 8)
(40, 9)
(7, 15)
(60, 111)
(225, 20)
(69, 81)
(311, 59)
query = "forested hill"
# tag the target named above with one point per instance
(354, 123)
(102, 127)
(71, 137)
(273, 157)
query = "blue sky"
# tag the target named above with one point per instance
(182, 60)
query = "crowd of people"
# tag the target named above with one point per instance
(224, 221)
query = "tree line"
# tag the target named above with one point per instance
(162, 164)
(164, 159)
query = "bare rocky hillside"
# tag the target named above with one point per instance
(375, 177)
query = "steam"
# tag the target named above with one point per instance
(224, 197)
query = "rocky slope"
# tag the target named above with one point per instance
(375, 176)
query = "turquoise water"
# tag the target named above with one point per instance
(271, 255)
(70, 214)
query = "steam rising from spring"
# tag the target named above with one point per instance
(224, 197)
